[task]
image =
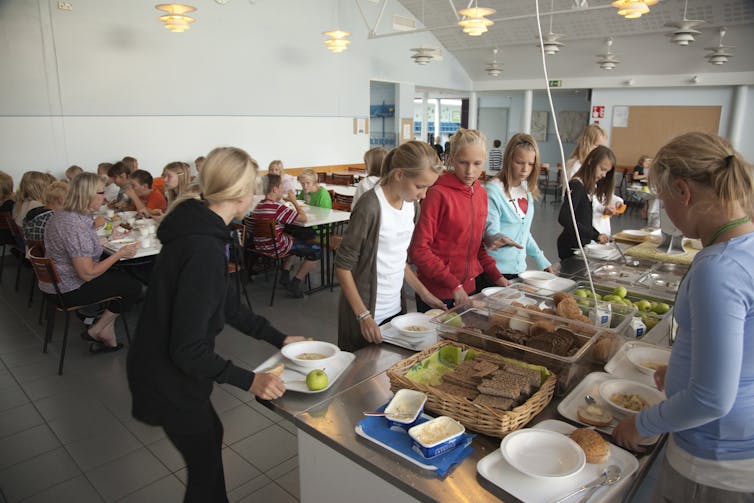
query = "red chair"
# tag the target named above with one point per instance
(342, 179)
(44, 270)
(321, 177)
(265, 228)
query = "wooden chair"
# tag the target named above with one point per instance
(342, 179)
(545, 183)
(321, 177)
(265, 228)
(10, 225)
(40, 247)
(341, 202)
(44, 270)
(236, 258)
(355, 169)
(8, 240)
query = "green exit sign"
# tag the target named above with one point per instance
(556, 83)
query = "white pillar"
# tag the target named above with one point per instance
(526, 112)
(737, 116)
(473, 110)
(437, 119)
(423, 135)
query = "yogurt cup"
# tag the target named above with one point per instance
(437, 436)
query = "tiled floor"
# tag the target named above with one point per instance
(72, 438)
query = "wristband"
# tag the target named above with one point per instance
(365, 314)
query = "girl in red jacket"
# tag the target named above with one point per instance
(447, 244)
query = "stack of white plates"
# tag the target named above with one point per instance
(602, 252)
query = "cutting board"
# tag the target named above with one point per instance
(648, 250)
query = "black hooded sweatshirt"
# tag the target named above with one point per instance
(172, 362)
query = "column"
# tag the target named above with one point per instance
(437, 118)
(423, 135)
(526, 112)
(473, 110)
(738, 109)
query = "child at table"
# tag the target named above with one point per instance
(511, 195)
(312, 193)
(707, 189)
(6, 204)
(373, 162)
(371, 260)
(594, 179)
(447, 245)
(119, 174)
(145, 199)
(271, 208)
(177, 180)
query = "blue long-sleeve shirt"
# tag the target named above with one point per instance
(710, 378)
(502, 218)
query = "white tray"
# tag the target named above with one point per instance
(360, 432)
(569, 406)
(294, 376)
(391, 335)
(620, 366)
(496, 469)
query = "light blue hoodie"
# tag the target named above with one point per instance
(502, 218)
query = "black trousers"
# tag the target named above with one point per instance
(202, 451)
(109, 284)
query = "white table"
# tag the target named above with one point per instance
(346, 190)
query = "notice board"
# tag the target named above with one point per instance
(650, 127)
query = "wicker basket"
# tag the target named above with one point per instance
(474, 417)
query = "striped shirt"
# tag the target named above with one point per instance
(282, 214)
(496, 159)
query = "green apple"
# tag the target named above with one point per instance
(661, 308)
(598, 296)
(454, 320)
(316, 380)
(620, 291)
(470, 355)
(580, 293)
(612, 298)
(644, 305)
(588, 293)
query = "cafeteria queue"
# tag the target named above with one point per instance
(414, 221)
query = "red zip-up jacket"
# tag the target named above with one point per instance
(447, 244)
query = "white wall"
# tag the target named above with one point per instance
(107, 80)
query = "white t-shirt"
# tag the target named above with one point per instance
(396, 228)
(600, 221)
(366, 184)
(111, 192)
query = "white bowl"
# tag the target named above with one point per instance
(296, 349)
(641, 355)
(409, 404)
(127, 214)
(540, 279)
(542, 453)
(608, 388)
(415, 321)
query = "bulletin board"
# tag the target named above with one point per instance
(648, 128)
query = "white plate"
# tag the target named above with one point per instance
(494, 468)
(569, 406)
(639, 355)
(619, 366)
(294, 377)
(492, 290)
(635, 232)
(542, 453)
(392, 336)
(650, 394)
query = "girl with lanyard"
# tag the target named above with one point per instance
(708, 192)
(595, 178)
(511, 196)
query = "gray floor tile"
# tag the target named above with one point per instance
(269, 414)
(35, 370)
(288, 426)
(240, 422)
(267, 448)
(28, 353)
(146, 433)
(37, 474)
(6, 378)
(26, 445)
(11, 397)
(77, 489)
(291, 483)
(166, 452)
(19, 419)
(283, 468)
(222, 400)
(84, 423)
(97, 450)
(244, 490)
(271, 493)
(65, 404)
(166, 490)
(237, 471)
(53, 385)
(126, 475)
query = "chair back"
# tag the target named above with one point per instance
(10, 225)
(321, 177)
(262, 227)
(356, 169)
(5, 218)
(340, 205)
(44, 268)
(342, 179)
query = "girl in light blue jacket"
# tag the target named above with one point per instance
(511, 198)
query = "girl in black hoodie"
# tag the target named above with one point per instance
(172, 364)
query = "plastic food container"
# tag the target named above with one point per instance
(405, 401)
(436, 436)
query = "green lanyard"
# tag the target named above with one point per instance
(720, 230)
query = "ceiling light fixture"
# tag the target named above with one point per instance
(474, 21)
(425, 55)
(631, 9)
(720, 54)
(337, 41)
(494, 69)
(551, 42)
(684, 29)
(175, 20)
(607, 60)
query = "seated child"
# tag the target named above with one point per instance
(111, 190)
(272, 208)
(145, 199)
(312, 193)
(72, 171)
(6, 204)
(119, 174)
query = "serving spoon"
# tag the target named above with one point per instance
(608, 477)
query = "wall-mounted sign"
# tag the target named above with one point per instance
(555, 83)
(598, 112)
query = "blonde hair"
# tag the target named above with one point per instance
(464, 137)
(587, 173)
(56, 192)
(184, 179)
(276, 162)
(228, 174)
(6, 185)
(32, 186)
(708, 160)
(81, 193)
(641, 160)
(589, 139)
(373, 159)
(520, 141)
(103, 168)
(412, 158)
(308, 175)
(72, 171)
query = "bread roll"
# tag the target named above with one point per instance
(276, 370)
(594, 415)
(594, 446)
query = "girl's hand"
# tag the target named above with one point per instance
(626, 434)
(602, 239)
(460, 297)
(660, 377)
(608, 211)
(145, 212)
(502, 281)
(99, 221)
(267, 386)
(370, 330)
(129, 251)
(504, 241)
(433, 301)
(549, 269)
(293, 338)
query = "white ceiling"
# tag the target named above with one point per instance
(641, 44)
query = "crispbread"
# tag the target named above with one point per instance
(496, 402)
(461, 391)
(534, 377)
